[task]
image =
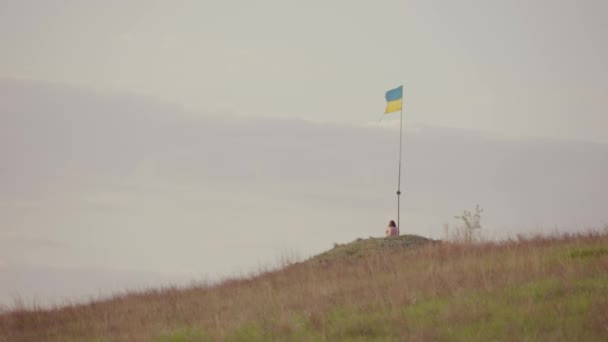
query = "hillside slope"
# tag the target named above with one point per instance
(551, 288)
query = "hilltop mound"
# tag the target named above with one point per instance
(361, 247)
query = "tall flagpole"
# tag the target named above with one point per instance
(399, 181)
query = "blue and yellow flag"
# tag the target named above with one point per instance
(394, 100)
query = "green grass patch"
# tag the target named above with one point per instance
(540, 310)
(249, 332)
(351, 324)
(587, 252)
(184, 335)
(339, 324)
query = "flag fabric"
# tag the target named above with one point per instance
(394, 100)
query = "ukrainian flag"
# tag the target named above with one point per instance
(394, 100)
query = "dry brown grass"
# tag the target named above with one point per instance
(441, 291)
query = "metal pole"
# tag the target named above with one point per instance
(399, 181)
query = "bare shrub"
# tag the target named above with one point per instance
(471, 223)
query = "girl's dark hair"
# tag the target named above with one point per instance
(392, 224)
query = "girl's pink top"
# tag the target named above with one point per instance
(391, 231)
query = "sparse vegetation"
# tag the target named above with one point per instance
(536, 288)
(471, 223)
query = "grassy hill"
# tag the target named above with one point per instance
(405, 288)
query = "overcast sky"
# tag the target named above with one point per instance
(152, 140)
(511, 67)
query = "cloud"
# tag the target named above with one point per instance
(107, 142)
